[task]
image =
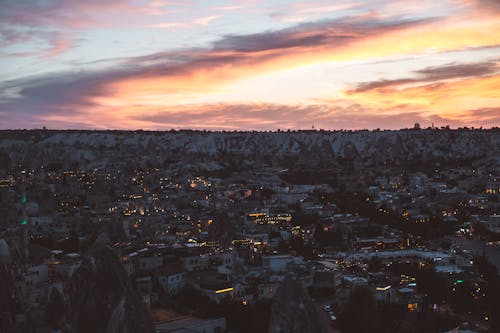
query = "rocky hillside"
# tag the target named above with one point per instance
(102, 298)
(292, 310)
(102, 147)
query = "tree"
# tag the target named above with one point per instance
(431, 283)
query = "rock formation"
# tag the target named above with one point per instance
(292, 310)
(103, 299)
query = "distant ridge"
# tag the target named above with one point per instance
(98, 148)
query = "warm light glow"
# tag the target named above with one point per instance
(223, 290)
(412, 307)
(383, 288)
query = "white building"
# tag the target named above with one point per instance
(172, 279)
(277, 263)
(195, 262)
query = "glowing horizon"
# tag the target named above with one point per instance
(244, 65)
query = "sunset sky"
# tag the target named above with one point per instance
(274, 64)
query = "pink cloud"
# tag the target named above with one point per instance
(56, 43)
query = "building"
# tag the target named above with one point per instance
(172, 279)
(195, 262)
(277, 263)
(190, 324)
(324, 279)
(492, 222)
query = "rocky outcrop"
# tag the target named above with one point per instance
(5, 257)
(310, 147)
(6, 288)
(221, 230)
(103, 299)
(292, 310)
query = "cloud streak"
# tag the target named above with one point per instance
(433, 75)
(273, 116)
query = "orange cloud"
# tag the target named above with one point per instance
(265, 116)
(448, 99)
(234, 59)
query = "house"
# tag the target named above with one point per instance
(149, 262)
(192, 324)
(267, 290)
(144, 284)
(215, 286)
(277, 263)
(324, 279)
(195, 262)
(172, 278)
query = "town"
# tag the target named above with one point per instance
(287, 231)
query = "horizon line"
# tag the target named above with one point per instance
(278, 130)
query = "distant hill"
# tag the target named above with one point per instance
(99, 148)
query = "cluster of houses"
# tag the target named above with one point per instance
(231, 240)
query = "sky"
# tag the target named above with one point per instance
(249, 65)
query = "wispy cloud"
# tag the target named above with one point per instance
(53, 43)
(433, 75)
(199, 21)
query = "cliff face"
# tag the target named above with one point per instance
(102, 298)
(292, 310)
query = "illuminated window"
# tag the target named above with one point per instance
(412, 307)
